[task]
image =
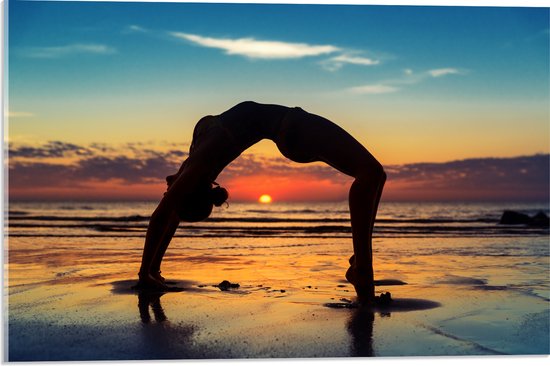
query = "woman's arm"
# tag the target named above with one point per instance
(158, 226)
(164, 222)
(171, 227)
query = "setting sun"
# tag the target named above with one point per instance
(265, 198)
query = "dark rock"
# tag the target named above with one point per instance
(517, 218)
(540, 220)
(226, 285)
(384, 299)
(514, 218)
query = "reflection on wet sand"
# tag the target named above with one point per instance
(360, 326)
(160, 339)
(146, 300)
(361, 322)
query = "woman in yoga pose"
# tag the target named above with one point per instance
(300, 136)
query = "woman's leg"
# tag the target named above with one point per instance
(306, 137)
(155, 232)
(364, 198)
(165, 241)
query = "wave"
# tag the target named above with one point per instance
(304, 211)
(17, 213)
(81, 218)
(72, 208)
(140, 218)
(205, 230)
(288, 222)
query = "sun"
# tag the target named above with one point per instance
(265, 198)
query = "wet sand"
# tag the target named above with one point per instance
(68, 303)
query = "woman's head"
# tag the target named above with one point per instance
(198, 205)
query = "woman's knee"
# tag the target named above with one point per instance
(372, 172)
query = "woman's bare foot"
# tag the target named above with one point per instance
(148, 281)
(364, 284)
(158, 277)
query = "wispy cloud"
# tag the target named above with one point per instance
(442, 72)
(374, 89)
(13, 114)
(49, 150)
(133, 28)
(409, 77)
(253, 48)
(337, 62)
(67, 50)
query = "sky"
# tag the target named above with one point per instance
(103, 96)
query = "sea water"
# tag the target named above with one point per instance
(463, 229)
(287, 220)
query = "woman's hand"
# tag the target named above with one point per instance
(171, 179)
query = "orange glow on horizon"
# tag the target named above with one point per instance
(296, 188)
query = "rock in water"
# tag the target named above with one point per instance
(540, 220)
(514, 218)
(517, 218)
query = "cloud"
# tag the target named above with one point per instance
(96, 169)
(271, 49)
(443, 72)
(409, 77)
(13, 114)
(256, 49)
(133, 163)
(135, 29)
(52, 149)
(36, 175)
(67, 50)
(58, 165)
(523, 177)
(60, 149)
(129, 170)
(337, 62)
(374, 89)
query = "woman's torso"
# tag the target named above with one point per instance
(300, 136)
(250, 122)
(218, 140)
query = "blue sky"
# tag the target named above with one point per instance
(412, 83)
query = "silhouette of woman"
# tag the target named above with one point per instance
(300, 136)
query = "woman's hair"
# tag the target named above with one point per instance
(218, 195)
(198, 205)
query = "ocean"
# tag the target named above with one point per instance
(325, 220)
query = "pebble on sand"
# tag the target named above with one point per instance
(225, 285)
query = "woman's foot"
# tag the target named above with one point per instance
(149, 281)
(158, 277)
(363, 283)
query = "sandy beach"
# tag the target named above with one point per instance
(70, 298)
